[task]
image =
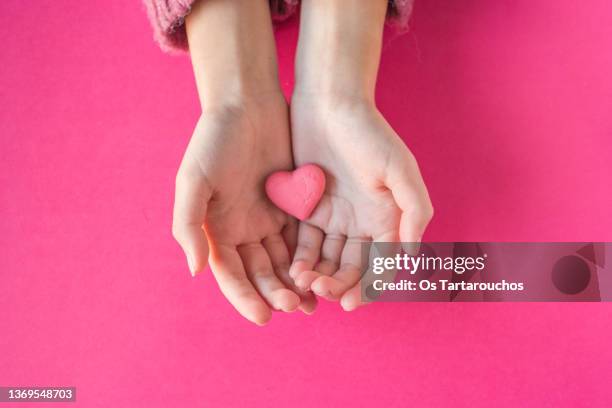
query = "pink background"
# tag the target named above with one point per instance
(506, 104)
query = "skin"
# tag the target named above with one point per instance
(374, 190)
(221, 214)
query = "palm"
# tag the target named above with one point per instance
(239, 213)
(355, 204)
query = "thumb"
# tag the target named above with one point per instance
(192, 194)
(404, 180)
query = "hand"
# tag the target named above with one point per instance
(374, 192)
(242, 136)
(374, 188)
(219, 186)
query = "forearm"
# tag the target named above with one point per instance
(232, 50)
(339, 48)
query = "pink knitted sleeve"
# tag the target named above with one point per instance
(168, 18)
(398, 12)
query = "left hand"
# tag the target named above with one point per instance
(374, 192)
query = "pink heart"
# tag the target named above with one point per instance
(297, 192)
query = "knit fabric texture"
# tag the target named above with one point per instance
(168, 18)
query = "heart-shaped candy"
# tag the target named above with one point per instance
(297, 192)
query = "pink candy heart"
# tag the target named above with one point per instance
(297, 192)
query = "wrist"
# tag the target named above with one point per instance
(254, 107)
(316, 112)
(333, 88)
(339, 47)
(237, 90)
(331, 100)
(232, 50)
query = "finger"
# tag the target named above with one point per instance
(277, 249)
(329, 261)
(351, 299)
(228, 269)
(308, 250)
(192, 194)
(331, 250)
(404, 180)
(384, 245)
(259, 270)
(290, 234)
(354, 298)
(351, 265)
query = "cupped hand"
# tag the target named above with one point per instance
(221, 213)
(374, 192)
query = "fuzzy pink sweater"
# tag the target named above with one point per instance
(168, 18)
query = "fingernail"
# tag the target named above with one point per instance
(191, 264)
(319, 292)
(308, 312)
(303, 286)
(346, 306)
(304, 289)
